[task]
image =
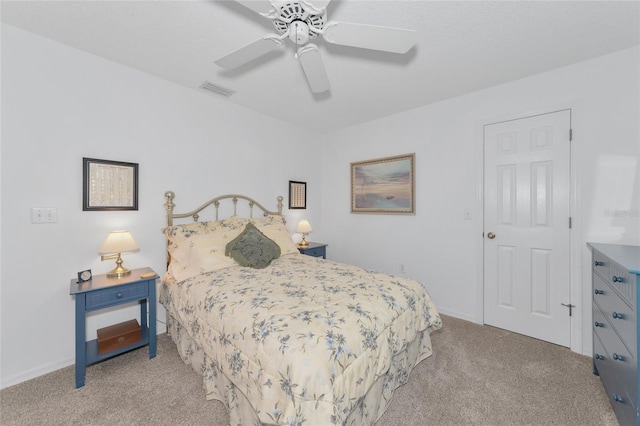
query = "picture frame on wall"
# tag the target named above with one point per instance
(384, 185)
(297, 195)
(109, 185)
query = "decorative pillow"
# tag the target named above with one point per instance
(252, 248)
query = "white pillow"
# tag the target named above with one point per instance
(203, 253)
(273, 227)
(198, 248)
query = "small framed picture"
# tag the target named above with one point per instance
(109, 185)
(297, 195)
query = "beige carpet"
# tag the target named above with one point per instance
(478, 375)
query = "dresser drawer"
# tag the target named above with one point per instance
(624, 406)
(110, 296)
(617, 312)
(622, 399)
(620, 365)
(601, 359)
(617, 277)
(601, 264)
(624, 283)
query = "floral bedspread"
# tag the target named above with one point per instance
(303, 339)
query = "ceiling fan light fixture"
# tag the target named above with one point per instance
(299, 33)
(293, 12)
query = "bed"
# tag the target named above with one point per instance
(280, 337)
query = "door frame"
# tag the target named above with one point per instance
(575, 242)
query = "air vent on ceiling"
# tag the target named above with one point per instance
(218, 90)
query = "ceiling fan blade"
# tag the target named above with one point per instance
(263, 7)
(387, 39)
(313, 68)
(250, 52)
(315, 6)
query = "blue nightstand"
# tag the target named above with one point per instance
(102, 292)
(314, 249)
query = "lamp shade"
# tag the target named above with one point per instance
(303, 227)
(118, 242)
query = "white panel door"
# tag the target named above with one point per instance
(526, 229)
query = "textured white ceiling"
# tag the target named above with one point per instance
(463, 46)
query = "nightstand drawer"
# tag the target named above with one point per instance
(121, 294)
(315, 252)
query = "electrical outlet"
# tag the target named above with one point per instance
(44, 215)
(467, 214)
(402, 269)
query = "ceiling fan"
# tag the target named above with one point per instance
(304, 20)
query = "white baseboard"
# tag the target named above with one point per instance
(456, 314)
(36, 372)
(49, 368)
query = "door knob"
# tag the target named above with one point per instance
(491, 235)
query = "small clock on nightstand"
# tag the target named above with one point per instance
(84, 276)
(314, 249)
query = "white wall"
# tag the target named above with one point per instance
(60, 105)
(441, 249)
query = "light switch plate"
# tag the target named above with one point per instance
(44, 215)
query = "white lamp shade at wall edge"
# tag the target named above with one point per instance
(118, 242)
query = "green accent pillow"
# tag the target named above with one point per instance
(252, 248)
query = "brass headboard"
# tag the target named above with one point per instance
(169, 205)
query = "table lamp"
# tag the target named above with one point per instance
(118, 242)
(303, 228)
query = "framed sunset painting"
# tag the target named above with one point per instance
(384, 185)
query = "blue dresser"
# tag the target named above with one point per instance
(615, 278)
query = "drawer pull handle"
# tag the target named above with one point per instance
(617, 398)
(598, 324)
(598, 263)
(119, 295)
(598, 356)
(616, 279)
(617, 315)
(618, 357)
(596, 291)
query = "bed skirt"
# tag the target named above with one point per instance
(241, 412)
